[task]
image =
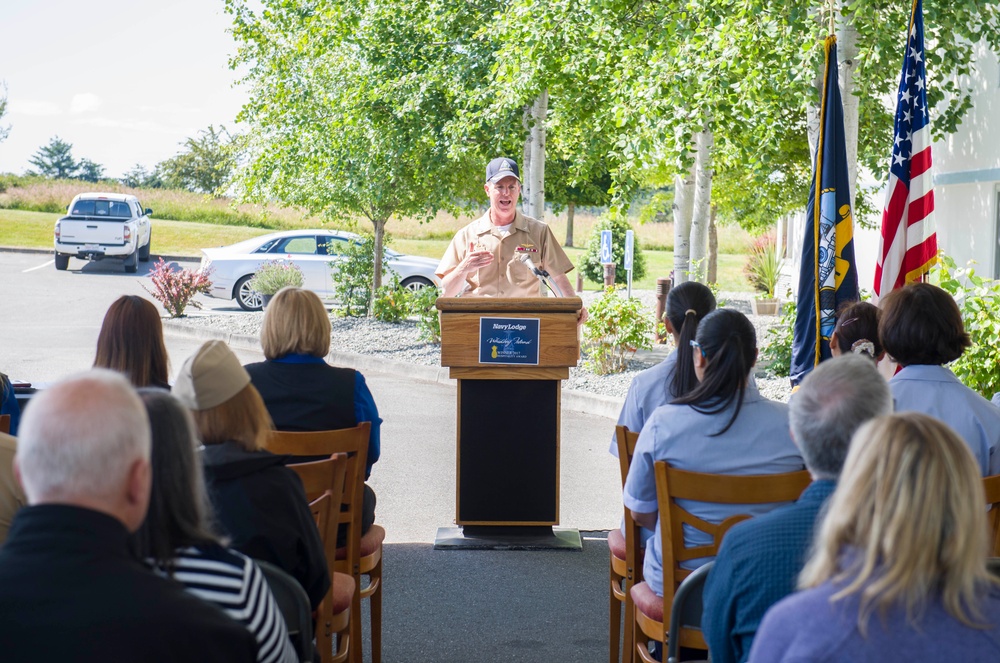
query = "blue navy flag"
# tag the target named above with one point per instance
(828, 276)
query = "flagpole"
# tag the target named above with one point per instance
(833, 10)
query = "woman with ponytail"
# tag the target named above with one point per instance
(687, 304)
(722, 426)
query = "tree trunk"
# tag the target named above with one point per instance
(702, 204)
(377, 275)
(526, 161)
(713, 250)
(570, 212)
(847, 53)
(536, 203)
(683, 209)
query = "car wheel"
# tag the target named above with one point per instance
(415, 283)
(144, 251)
(132, 263)
(247, 298)
(62, 261)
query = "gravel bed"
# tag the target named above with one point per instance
(401, 342)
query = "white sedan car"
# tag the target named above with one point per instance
(312, 251)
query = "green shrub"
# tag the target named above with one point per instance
(763, 266)
(353, 276)
(274, 275)
(428, 318)
(392, 302)
(591, 265)
(616, 328)
(777, 353)
(978, 299)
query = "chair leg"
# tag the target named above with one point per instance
(614, 613)
(640, 644)
(375, 606)
(356, 648)
(628, 643)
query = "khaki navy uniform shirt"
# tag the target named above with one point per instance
(507, 276)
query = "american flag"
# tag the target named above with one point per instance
(908, 246)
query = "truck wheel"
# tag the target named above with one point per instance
(144, 250)
(132, 263)
(62, 261)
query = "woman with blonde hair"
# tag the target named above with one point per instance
(899, 569)
(131, 342)
(304, 393)
(258, 502)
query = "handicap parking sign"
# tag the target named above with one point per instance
(629, 248)
(606, 258)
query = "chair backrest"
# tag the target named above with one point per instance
(686, 610)
(4, 423)
(673, 484)
(991, 486)
(626, 449)
(354, 443)
(293, 602)
(324, 482)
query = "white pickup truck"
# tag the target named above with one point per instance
(104, 225)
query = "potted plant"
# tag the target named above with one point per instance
(274, 275)
(763, 269)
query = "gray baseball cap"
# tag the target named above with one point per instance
(500, 168)
(210, 377)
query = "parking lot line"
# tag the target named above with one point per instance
(31, 269)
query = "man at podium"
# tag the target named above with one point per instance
(504, 253)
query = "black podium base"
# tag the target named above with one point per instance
(473, 537)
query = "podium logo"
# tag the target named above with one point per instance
(509, 327)
(494, 353)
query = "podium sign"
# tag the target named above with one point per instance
(508, 341)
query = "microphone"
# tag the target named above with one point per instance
(542, 275)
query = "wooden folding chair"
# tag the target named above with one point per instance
(652, 612)
(626, 561)
(324, 481)
(991, 485)
(362, 555)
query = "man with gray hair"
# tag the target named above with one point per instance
(760, 559)
(69, 589)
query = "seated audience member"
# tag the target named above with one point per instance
(69, 588)
(857, 331)
(921, 329)
(177, 540)
(760, 559)
(304, 393)
(687, 304)
(11, 495)
(258, 502)
(899, 569)
(131, 342)
(722, 426)
(9, 404)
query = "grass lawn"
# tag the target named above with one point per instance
(34, 230)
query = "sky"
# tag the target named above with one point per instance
(124, 81)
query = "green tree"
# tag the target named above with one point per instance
(89, 171)
(348, 108)
(591, 266)
(206, 164)
(139, 177)
(55, 160)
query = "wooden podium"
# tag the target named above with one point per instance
(509, 357)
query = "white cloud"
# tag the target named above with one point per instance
(34, 108)
(171, 109)
(134, 125)
(84, 102)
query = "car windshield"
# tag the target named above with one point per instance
(111, 208)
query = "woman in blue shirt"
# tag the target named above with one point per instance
(722, 426)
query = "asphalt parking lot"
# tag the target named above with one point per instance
(49, 322)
